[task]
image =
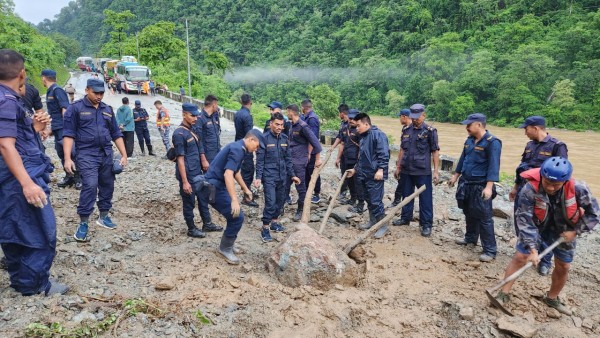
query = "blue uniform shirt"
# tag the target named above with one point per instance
(300, 137)
(56, 100)
(480, 162)
(230, 157)
(92, 129)
(374, 154)
(187, 144)
(418, 145)
(351, 139)
(140, 112)
(243, 123)
(209, 130)
(315, 126)
(536, 153)
(274, 163)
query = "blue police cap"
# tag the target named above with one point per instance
(138, 103)
(352, 113)
(259, 135)
(477, 117)
(275, 104)
(534, 121)
(416, 110)
(403, 112)
(96, 85)
(49, 73)
(190, 108)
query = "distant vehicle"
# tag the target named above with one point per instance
(130, 74)
(128, 58)
(99, 64)
(85, 63)
(109, 68)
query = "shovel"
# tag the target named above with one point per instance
(516, 275)
(332, 203)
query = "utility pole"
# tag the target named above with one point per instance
(137, 45)
(187, 39)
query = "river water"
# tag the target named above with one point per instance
(581, 146)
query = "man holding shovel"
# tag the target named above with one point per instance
(551, 205)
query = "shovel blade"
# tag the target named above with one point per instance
(496, 303)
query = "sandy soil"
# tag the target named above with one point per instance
(411, 286)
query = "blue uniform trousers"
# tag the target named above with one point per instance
(310, 168)
(29, 268)
(143, 134)
(300, 171)
(409, 182)
(248, 169)
(58, 145)
(97, 180)
(373, 194)
(164, 135)
(222, 204)
(274, 199)
(478, 216)
(399, 189)
(356, 191)
(189, 202)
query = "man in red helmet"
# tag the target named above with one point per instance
(551, 205)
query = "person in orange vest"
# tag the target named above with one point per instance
(551, 205)
(163, 123)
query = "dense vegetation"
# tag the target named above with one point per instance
(506, 58)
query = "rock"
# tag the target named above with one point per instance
(246, 268)
(84, 315)
(473, 264)
(164, 285)
(517, 326)
(467, 313)
(553, 313)
(502, 208)
(358, 254)
(577, 321)
(341, 214)
(314, 217)
(305, 258)
(588, 323)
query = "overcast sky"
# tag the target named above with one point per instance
(35, 11)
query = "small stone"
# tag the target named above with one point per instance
(252, 281)
(339, 287)
(164, 285)
(553, 313)
(246, 268)
(84, 315)
(473, 264)
(517, 326)
(577, 321)
(588, 323)
(467, 313)
(234, 284)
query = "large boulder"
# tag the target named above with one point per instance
(502, 208)
(305, 258)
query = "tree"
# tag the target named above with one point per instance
(395, 101)
(562, 97)
(71, 47)
(216, 62)
(119, 23)
(325, 100)
(158, 42)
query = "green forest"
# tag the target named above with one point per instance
(508, 59)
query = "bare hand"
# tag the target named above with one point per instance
(486, 193)
(235, 209)
(350, 172)
(35, 195)
(452, 181)
(436, 177)
(205, 165)
(296, 180)
(69, 167)
(512, 194)
(569, 236)
(44, 135)
(187, 188)
(40, 121)
(378, 175)
(533, 257)
(337, 163)
(318, 163)
(257, 183)
(123, 161)
(248, 196)
(397, 173)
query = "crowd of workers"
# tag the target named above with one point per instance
(549, 203)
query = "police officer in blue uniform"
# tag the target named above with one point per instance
(276, 107)
(188, 147)
(222, 174)
(27, 222)
(92, 125)
(339, 141)
(351, 148)
(372, 169)
(140, 117)
(301, 137)
(243, 123)
(208, 127)
(478, 169)
(418, 147)
(33, 103)
(541, 147)
(405, 121)
(57, 102)
(310, 117)
(273, 170)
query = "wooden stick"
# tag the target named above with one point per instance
(311, 187)
(391, 214)
(332, 203)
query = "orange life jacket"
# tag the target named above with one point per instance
(568, 202)
(165, 121)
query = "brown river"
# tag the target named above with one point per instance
(581, 146)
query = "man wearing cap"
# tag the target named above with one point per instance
(91, 125)
(276, 107)
(57, 103)
(540, 147)
(311, 118)
(405, 121)
(273, 170)
(70, 90)
(372, 169)
(350, 149)
(478, 169)
(222, 174)
(301, 137)
(126, 124)
(340, 161)
(418, 147)
(243, 123)
(28, 235)
(140, 117)
(208, 127)
(188, 170)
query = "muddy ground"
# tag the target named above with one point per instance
(147, 278)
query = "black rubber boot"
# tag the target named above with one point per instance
(226, 250)
(150, 151)
(193, 231)
(383, 230)
(211, 227)
(78, 183)
(359, 208)
(367, 226)
(298, 214)
(67, 181)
